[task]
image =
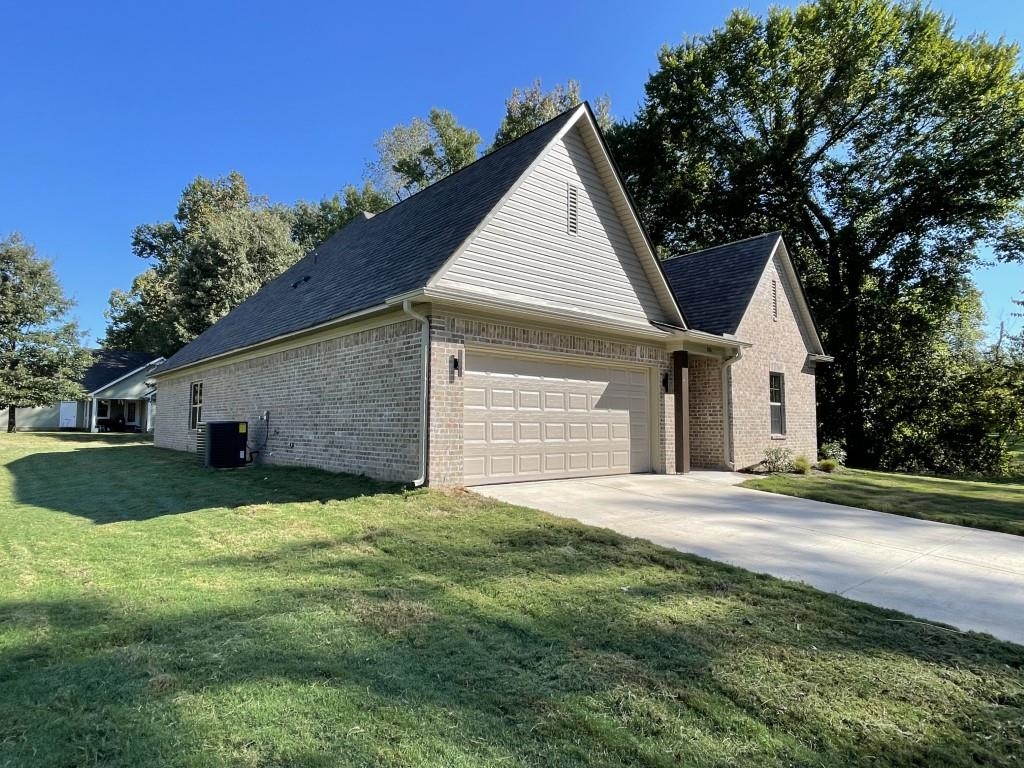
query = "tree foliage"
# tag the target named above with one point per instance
(412, 157)
(531, 107)
(312, 223)
(887, 149)
(41, 358)
(223, 244)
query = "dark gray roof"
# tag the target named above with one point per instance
(372, 259)
(111, 364)
(714, 286)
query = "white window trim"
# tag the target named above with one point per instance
(195, 409)
(780, 404)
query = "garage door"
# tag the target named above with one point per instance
(535, 418)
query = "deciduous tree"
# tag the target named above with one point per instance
(528, 108)
(41, 357)
(888, 149)
(412, 157)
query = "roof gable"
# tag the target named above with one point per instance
(373, 259)
(110, 365)
(714, 286)
(526, 252)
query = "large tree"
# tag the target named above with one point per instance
(312, 223)
(412, 157)
(887, 149)
(531, 107)
(41, 358)
(223, 244)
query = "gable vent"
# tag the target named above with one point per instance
(775, 300)
(572, 207)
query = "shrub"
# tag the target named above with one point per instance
(833, 450)
(828, 465)
(777, 460)
(802, 465)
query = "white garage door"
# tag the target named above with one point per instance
(533, 419)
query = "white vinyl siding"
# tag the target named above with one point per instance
(527, 252)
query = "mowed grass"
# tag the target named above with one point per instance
(996, 506)
(153, 613)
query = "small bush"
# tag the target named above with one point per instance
(828, 465)
(777, 460)
(802, 465)
(833, 450)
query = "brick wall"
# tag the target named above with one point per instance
(347, 404)
(707, 422)
(449, 335)
(778, 345)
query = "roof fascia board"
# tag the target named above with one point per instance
(443, 269)
(109, 384)
(646, 251)
(801, 297)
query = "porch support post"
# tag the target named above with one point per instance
(92, 414)
(681, 409)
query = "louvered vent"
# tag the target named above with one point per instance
(201, 442)
(572, 209)
(775, 300)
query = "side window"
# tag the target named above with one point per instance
(777, 402)
(195, 405)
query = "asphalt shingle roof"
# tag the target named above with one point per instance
(372, 259)
(714, 286)
(111, 364)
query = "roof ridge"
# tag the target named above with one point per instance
(776, 233)
(487, 155)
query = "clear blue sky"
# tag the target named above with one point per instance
(109, 110)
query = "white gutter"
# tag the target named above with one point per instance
(727, 407)
(407, 308)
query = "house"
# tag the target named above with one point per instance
(117, 397)
(510, 322)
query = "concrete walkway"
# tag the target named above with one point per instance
(968, 578)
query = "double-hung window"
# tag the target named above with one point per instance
(777, 402)
(195, 405)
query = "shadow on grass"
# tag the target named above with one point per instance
(424, 677)
(135, 481)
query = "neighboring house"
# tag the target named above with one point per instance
(510, 322)
(116, 396)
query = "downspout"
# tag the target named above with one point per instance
(425, 349)
(727, 407)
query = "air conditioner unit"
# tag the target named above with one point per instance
(224, 444)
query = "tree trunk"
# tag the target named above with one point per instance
(12, 425)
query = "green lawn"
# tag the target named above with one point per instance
(996, 506)
(153, 613)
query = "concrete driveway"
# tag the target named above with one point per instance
(968, 578)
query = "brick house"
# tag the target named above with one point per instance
(510, 322)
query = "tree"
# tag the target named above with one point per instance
(886, 148)
(412, 157)
(222, 246)
(313, 223)
(531, 107)
(41, 359)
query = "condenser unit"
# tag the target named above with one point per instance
(223, 444)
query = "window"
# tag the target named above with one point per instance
(572, 209)
(777, 402)
(195, 410)
(131, 412)
(775, 300)
(102, 409)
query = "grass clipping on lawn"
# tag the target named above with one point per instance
(153, 613)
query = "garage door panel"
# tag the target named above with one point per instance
(536, 418)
